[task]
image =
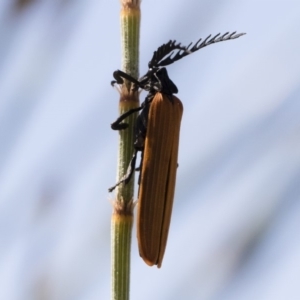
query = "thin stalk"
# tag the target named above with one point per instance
(122, 217)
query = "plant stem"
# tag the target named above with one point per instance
(122, 217)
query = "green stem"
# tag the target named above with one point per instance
(122, 218)
(121, 226)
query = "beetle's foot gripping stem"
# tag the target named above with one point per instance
(117, 125)
(117, 184)
(119, 77)
(113, 82)
(125, 179)
(131, 168)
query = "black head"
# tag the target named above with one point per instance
(167, 86)
(157, 80)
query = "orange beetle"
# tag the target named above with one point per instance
(157, 138)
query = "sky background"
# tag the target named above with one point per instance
(235, 227)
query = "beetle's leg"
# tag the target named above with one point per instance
(140, 167)
(140, 135)
(118, 78)
(120, 75)
(117, 125)
(126, 178)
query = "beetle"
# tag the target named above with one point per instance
(157, 131)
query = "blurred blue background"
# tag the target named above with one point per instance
(237, 211)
